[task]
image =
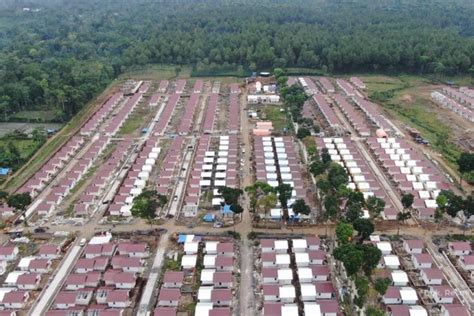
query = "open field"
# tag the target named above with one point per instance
(279, 119)
(407, 98)
(6, 128)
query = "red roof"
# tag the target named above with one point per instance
(15, 297)
(221, 295)
(272, 309)
(270, 272)
(225, 247)
(329, 306)
(28, 278)
(324, 287)
(433, 273)
(6, 250)
(165, 311)
(169, 295)
(415, 243)
(271, 289)
(393, 292)
(222, 277)
(267, 243)
(221, 311)
(118, 296)
(224, 261)
(173, 277)
(423, 258)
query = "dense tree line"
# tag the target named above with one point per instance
(62, 54)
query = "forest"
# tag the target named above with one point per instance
(55, 55)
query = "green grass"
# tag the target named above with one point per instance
(279, 119)
(35, 116)
(415, 111)
(26, 147)
(155, 72)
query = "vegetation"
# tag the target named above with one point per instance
(16, 147)
(146, 204)
(466, 166)
(300, 207)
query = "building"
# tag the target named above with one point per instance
(432, 276)
(458, 248)
(413, 246)
(442, 294)
(173, 279)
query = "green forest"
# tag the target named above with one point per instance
(55, 55)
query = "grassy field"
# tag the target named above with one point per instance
(156, 72)
(272, 113)
(35, 116)
(407, 99)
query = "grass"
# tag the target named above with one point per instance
(35, 116)
(54, 143)
(156, 72)
(279, 119)
(26, 147)
(134, 121)
(406, 97)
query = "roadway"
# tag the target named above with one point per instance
(49, 293)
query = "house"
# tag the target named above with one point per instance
(118, 299)
(329, 307)
(225, 249)
(287, 293)
(165, 311)
(39, 265)
(101, 294)
(408, 295)
(169, 297)
(188, 262)
(272, 309)
(28, 281)
(399, 278)
(84, 265)
(317, 257)
(325, 290)
(222, 279)
(313, 243)
(312, 308)
(8, 253)
(267, 245)
(390, 262)
(221, 297)
(308, 292)
(457, 248)
(454, 310)
(270, 275)
(320, 273)
(77, 281)
(422, 260)
(68, 299)
(173, 279)
(120, 280)
(392, 296)
(432, 276)
(15, 299)
(283, 260)
(98, 250)
(138, 250)
(268, 259)
(128, 264)
(51, 252)
(271, 292)
(467, 262)
(191, 248)
(281, 246)
(385, 247)
(224, 263)
(285, 276)
(442, 294)
(405, 310)
(413, 246)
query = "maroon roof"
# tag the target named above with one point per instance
(225, 247)
(221, 295)
(271, 289)
(270, 272)
(6, 250)
(222, 277)
(272, 309)
(117, 296)
(393, 292)
(328, 306)
(165, 311)
(220, 311)
(173, 277)
(169, 295)
(28, 278)
(433, 273)
(324, 287)
(15, 297)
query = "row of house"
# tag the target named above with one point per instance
(410, 171)
(296, 265)
(106, 273)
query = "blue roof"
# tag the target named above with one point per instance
(181, 239)
(209, 217)
(226, 209)
(4, 171)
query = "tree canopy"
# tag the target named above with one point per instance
(59, 54)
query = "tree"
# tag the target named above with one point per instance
(257, 190)
(331, 207)
(323, 185)
(353, 212)
(302, 133)
(317, 167)
(19, 201)
(364, 227)
(375, 206)
(236, 209)
(266, 203)
(381, 285)
(401, 218)
(325, 156)
(362, 286)
(300, 207)
(350, 256)
(407, 200)
(3, 196)
(284, 191)
(337, 175)
(230, 195)
(465, 163)
(344, 233)
(146, 204)
(372, 256)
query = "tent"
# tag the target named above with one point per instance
(226, 211)
(209, 218)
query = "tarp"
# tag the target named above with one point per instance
(4, 171)
(209, 218)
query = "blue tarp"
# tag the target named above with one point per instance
(226, 210)
(4, 171)
(209, 218)
(182, 239)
